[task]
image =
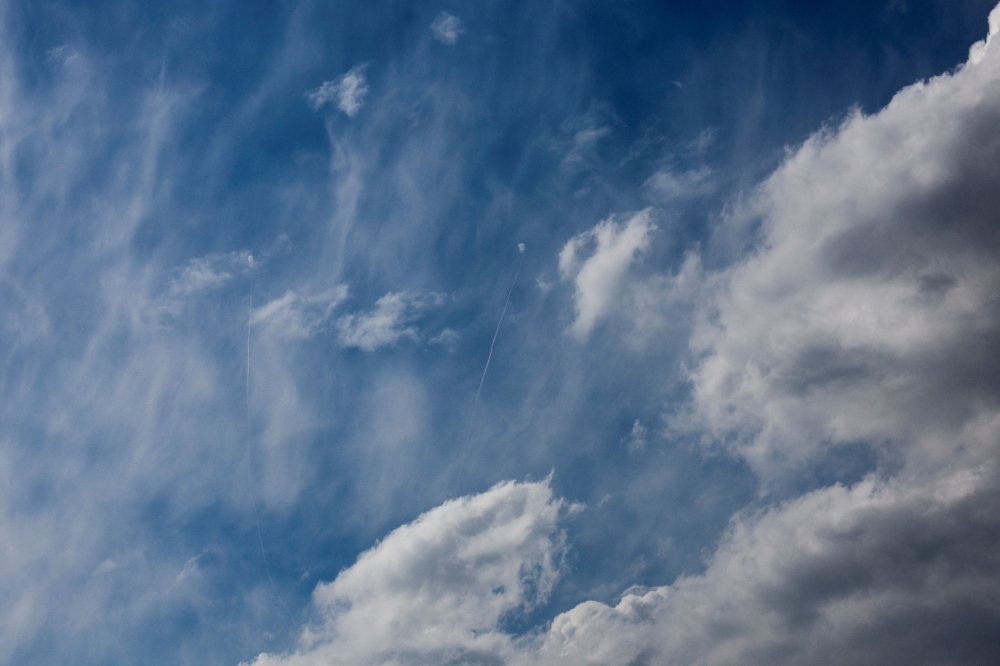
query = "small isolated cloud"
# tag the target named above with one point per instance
(598, 278)
(299, 314)
(388, 322)
(447, 28)
(348, 92)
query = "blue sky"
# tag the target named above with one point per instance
(741, 406)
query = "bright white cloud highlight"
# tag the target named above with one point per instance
(598, 278)
(436, 590)
(447, 28)
(348, 92)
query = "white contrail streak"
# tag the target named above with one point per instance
(472, 419)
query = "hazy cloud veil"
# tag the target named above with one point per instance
(742, 404)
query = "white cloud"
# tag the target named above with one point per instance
(599, 277)
(299, 314)
(878, 573)
(978, 50)
(435, 591)
(869, 311)
(348, 92)
(447, 338)
(636, 441)
(447, 28)
(388, 322)
(62, 55)
(209, 271)
(668, 185)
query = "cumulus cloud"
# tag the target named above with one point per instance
(299, 314)
(870, 310)
(877, 573)
(598, 278)
(436, 591)
(867, 313)
(447, 28)
(348, 92)
(386, 323)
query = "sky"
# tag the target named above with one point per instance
(573, 332)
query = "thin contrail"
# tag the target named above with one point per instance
(253, 500)
(472, 419)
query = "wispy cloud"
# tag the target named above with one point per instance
(209, 271)
(388, 322)
(299, 314)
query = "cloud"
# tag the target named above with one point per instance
(348, 92)
(387, 323)
(209, 271)
(62, 55)
(878, 573)
(447, 28)
(299, 314)
(667, 185)
(869, 312)
(636, 441)
(447, 338)
(437, 589)
(881, 572)
(598, 278)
